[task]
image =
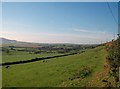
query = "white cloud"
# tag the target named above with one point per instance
(89, 31)
(81, 30)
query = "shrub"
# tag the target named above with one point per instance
(114, 57)
(84, 72)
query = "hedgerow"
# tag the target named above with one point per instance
(114, 58)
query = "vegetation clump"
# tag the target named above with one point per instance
(84, 72)
(114, 58)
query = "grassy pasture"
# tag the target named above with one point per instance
(24, 53)
(55, 72)
(21, 55)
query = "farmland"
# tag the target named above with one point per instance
(15, 53)
(54, 65)
(69, 71)
(20, 56)
(60, 44)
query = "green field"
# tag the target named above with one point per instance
(20, 56)
(57, 72)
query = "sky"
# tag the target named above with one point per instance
(59, 22)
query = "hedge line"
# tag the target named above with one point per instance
(114, 58)
(35, 59)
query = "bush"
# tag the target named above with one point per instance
(84, 72)
(114, 57)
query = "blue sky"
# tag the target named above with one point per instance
(59, 22)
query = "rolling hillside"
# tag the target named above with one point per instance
(70, 71)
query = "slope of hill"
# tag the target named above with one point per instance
(71, 71)
(4, 40)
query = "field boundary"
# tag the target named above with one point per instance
(35, 59)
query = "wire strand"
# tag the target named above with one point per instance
(112, 13)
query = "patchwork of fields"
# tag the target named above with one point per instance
(74, 70)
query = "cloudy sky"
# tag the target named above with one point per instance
(59, 22)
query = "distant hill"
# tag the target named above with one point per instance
(9, 42)
(4, 40)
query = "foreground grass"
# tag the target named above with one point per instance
(54, 72)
